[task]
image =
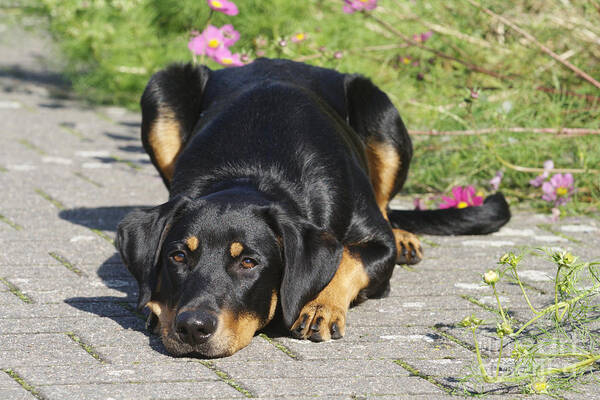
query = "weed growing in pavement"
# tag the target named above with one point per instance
(558, 344)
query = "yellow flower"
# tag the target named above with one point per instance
(539, 386)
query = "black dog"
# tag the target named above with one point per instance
(280, 175)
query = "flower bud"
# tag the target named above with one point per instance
(470, 321)
(491, 277)
(569, 258)
(503, 329)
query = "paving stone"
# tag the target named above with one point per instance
(17, 393)
(130, 391)
(372, 386)
(41, 349)
(117, 373)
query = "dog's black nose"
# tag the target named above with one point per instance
(195, 327)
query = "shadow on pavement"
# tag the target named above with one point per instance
(43, 78)
(113, 274)
(103, 218)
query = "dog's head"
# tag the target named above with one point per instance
(215, 270)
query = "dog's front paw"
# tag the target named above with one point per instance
(320, 321)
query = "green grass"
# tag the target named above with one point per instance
(113, 46)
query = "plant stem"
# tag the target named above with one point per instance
(438, 53)
(499, 304)
(523, 290)
(563, 355)
(484, 374)
(556, 291)
(591, 359)
(499, 356)
(556, 306)
(542, 47)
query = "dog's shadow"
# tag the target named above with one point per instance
(114, 275)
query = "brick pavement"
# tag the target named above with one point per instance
(68, 328)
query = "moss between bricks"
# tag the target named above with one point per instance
(10, 223)
(51, 199)
(445, 387)
(87, 179)
(132, 310)
(280, 347)
(67, 264)
(17, 292)
(24, 384)
(88, 348)
(103, 235)
(26, 143)
(454, 339)
(225, 377)
(72, 131)
(130, 164)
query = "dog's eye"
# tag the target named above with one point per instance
(248, 263)
(178, 256)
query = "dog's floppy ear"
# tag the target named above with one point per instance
(139, 239)
(311, 258)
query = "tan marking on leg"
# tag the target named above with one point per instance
(384, 163)
(317, 317)
(192, 243)
(236, 249)
(165, 140)
(407, 242)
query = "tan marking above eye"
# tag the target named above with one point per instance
(236, 249)
(192, 243)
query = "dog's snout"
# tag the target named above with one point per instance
(195, 327)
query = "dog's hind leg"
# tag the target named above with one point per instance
(389, 151)
(170, 110)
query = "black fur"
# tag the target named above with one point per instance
(481, 220)
(273, 157)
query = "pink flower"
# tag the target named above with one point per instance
(462, 197)
(352, 6)
(495, 181)
(423, 37)
(225, 6)
(224, 57)
(208, 42)
(548, 166)
(299, 37)
(230, 35)
(419, 204)
(558, 189)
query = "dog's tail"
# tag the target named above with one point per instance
(487, 218)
